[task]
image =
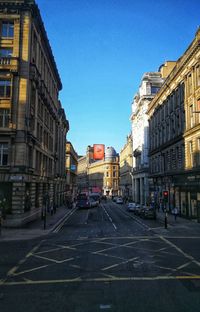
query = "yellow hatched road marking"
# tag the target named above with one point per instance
(103, 279)
(53, 260)
(117, 264)
(180, 250)
(28, 271)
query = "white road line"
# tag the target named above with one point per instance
(143, 225)
(109, 217)
(105, 306)
(54, 260)
(86, 219)
(31, 270)
(12, 271)
(184, 265)
(60, 224)
(117, 264)
(180, 251)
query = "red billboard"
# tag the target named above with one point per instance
(98, 151)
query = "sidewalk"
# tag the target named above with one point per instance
(179, 220)
(36, 228)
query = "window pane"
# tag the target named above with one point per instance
(7, 91)
(154, 89)
(5, 88)
(3, 154)
(6, 52)
(5, 159)
(4, 118)
(7, 29)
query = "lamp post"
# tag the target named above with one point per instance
(131, 174)
(2, 212)
(0, 215)
(44, 209)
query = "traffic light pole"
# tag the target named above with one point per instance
(166, 221)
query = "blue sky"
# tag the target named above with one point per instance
(102, 48)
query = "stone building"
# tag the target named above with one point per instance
(150, 85)
(33, 124)
(126, 165)
(82, 174)
(174, 125)
(71, 170)
(99, 175)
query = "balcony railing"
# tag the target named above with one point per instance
(9, 63)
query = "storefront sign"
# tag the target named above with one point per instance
(16, 178)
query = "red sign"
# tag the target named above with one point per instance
(96, 189)
(98, 151)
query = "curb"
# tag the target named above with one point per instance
(59, 224)
(36, 233)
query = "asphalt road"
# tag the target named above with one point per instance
(103, 259)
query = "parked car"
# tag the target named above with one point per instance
(137, 210)
(148, 213)
(131, 207)
(119, 200)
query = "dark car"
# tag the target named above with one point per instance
(83, 201)
(148, 213)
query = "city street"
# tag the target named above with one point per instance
(103, 258)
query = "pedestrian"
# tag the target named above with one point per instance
(175, 213)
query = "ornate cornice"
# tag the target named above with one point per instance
(15, 7)
(179, 67)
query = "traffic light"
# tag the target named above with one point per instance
(165, 196)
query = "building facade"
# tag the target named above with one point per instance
(99, 175)
(126, 172)
(71, 170)
(33, 124)
(150, 85)
(174, 121)
(82, 174)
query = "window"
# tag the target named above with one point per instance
(3, 154)
(198, 105)
(5, 88)
(191, 116)
(189, 84)
(7, 29)
(198, 110)
(6, 52)
(4, 118)
(114, 174)
(191, 153)
(198, 76)
(198, 152)
(154, 89)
